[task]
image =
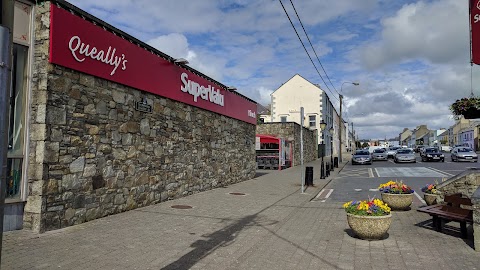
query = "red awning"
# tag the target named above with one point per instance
(267, 138)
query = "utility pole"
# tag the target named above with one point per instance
(353, 139)
(6, 49)
(340, 125)
(301, 148)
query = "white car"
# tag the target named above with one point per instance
(392, 151)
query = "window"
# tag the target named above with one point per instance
(18, 100)
(16, 128)
(283, 119)
(311, 120)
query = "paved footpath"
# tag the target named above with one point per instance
(273, 226)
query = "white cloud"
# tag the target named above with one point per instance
(410, 57)
(436, 31)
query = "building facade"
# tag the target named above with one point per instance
(298, 92)
(100, 135)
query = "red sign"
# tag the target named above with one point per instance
(475, 28)
(80, 45)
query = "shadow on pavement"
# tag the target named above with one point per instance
(225, 236)
(353, 235)
(449, 230)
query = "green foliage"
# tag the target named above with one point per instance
(460, 106)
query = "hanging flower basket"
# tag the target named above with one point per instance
(468, 107)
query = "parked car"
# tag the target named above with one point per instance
(463, 154)
(418, 148)
(405, 155)
(392, 150)
(379, 154)
(361, 157)
(446, 148)
(431, 154)
(460, 145)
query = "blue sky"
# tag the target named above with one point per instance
(411, 58)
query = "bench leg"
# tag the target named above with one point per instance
(463, 229)
(437, 223)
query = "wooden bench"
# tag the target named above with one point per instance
(451, 210)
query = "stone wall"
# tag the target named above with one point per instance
(476, 219)
(92, 154)
(465, 183)
(468, 184)
(291, 131)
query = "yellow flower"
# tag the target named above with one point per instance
(347, 204)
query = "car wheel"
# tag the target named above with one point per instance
(443, 160)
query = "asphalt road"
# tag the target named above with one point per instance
(360, 182)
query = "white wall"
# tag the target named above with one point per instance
(298, 92)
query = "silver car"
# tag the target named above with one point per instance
(405, 155)
(361, 157)
(463, 154)
(379, 154)
(392, 151)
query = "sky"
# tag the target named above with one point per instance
(410, 58)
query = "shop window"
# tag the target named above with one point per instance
(16, 130)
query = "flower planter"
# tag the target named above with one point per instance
(430, 198)
(369, 227)
(471, 113)
(398, 201)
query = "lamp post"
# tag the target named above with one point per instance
(340, 123)
(331, 148)
(323, 125)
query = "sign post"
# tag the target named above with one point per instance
(475, 31)
(301, 148)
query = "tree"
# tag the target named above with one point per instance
(365, 145)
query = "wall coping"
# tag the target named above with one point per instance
(458, 176)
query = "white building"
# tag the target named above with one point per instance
(298, 92)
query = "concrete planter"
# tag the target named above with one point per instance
(369, 227)
(430, 199)
(398, 201)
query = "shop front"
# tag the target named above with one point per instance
(110, 124)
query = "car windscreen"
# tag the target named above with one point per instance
(404, 151)
(379, 150)
(430, 150)
(465, 149)
(362, 153)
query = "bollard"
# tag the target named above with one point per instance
(335, 161)
(309, 176)
(327, 169)
(322, 170)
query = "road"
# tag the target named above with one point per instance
(360, 182)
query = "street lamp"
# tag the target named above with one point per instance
(340, 123)
(331, 147)
(181, 61)
(323, 125)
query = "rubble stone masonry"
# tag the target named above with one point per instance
(291, 131)
(91, 154)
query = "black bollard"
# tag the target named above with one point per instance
(327, 169)
(322, 170)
